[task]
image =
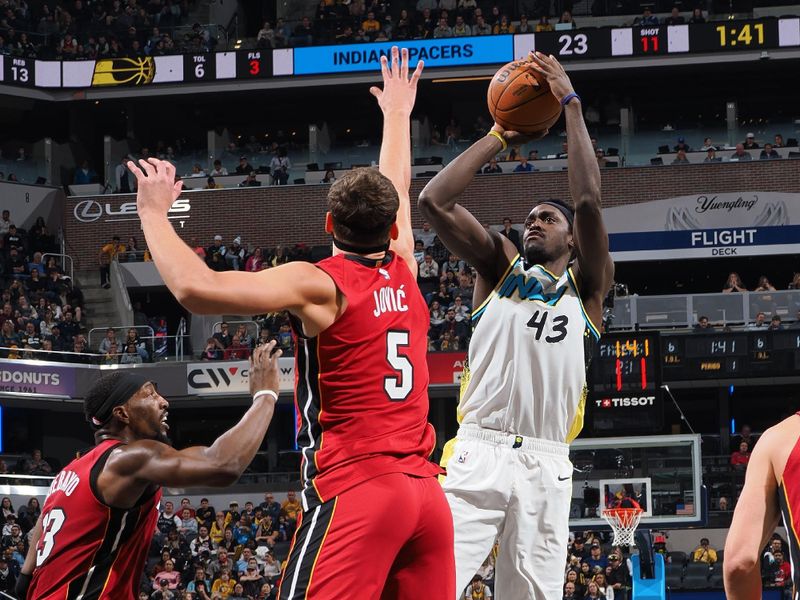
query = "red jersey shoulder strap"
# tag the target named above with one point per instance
(106, 447)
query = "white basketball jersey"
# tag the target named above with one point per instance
(528, 356)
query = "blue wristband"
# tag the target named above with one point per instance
(568, 97)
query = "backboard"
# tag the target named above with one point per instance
(661, 473)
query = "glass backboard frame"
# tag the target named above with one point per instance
(697, 494)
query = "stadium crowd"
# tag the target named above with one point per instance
(41, 308)
(87, 29)
(197, 553)
(445, 281)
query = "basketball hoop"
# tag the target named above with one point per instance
(623, 522)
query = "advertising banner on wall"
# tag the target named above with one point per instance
(23, 377)
(705, 226)
(230, 378)
(445, 368)
(444, 52)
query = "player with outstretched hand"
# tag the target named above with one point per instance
(771, 491)
(508, 471)
(360, 324)
(92, 538)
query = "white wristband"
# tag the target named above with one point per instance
(260, 393)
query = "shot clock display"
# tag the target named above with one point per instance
(625, 384)
(626, 363)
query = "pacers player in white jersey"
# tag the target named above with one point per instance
(535, 320)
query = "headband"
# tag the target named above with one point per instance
(126, 386)
(569, 215)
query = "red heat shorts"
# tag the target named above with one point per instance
(389, 537)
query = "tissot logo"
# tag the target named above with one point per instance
(89, 211)
(626, 401)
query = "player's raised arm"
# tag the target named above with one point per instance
(299, 287)
(754, 520)
(595, 269)
(396, 100)
(458, 229)
(221, 463)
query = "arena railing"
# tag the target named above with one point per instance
(252, 327)
(94, 341)
(683, 310)
(22, 487)
(65, 259)
(119, 294)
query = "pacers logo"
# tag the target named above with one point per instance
(124, 71)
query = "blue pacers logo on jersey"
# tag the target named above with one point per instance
(528, 288)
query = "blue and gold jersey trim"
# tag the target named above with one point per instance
(595, 331)
(476, 314)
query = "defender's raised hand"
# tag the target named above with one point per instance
(399, 91)
(157, 188)
(264, 371)
(554, 72)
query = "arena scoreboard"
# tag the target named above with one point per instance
(730, 355)
(605, 43)
(625, 383)
(658, 40)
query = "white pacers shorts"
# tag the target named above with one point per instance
(517, 490)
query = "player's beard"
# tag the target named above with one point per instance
(536, 256)
(163, 437)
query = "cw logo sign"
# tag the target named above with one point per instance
(215, 377)
(229, 378)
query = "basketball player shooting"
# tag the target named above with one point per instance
(360, 325)
(508, 473)
(97, 523)
(771, 490)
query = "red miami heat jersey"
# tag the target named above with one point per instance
(789, 497)
(87, 550)
(362, 384)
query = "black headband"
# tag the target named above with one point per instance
(126, 386)
(568, 214)
(360, 249)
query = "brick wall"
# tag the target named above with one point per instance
(274, 215)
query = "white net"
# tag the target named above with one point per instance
(624, 522)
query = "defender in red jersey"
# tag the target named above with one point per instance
(92, 538)
(771, 490)
(375, 523)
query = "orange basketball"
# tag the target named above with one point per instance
(520, 99)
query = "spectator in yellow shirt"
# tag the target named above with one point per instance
(223, 586)
(217, 531)
(371, 26)
(704, 553)
(544, 24)
(291, 506)
(108, 253)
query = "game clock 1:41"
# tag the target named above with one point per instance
(735, 35)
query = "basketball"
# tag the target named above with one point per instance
(520, 99)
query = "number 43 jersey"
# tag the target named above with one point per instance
(361, 386)
(88, 550)
(531, 344)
